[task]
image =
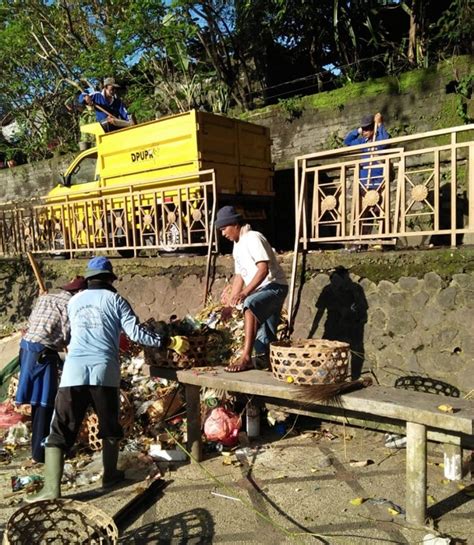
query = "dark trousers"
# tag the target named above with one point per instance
(40, 425)
(71, 406)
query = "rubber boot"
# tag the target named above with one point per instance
(110, 452)
(53, 472)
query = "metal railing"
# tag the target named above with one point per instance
(164, 214)
(384, 190)
(388, 189)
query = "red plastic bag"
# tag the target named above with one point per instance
(222, 426)
(8, 416)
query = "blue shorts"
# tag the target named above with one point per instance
(266, 304)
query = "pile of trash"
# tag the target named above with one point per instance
(152, 415)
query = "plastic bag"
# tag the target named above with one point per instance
(8, 415)
(223, 426)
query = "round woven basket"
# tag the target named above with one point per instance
(196, 356)
(58, 522)
(310, 361)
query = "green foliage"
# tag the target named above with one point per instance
(464, 94)
(293, 107)
(334, 141)
(211, 55)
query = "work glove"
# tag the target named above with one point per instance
(179, 344)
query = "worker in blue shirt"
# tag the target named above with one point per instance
(115, 115)
(91, 374)
(371, 130)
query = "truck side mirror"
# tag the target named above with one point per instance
(66, 180)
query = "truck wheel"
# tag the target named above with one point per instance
(170, 240)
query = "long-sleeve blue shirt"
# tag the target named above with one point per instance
(370, 177)
(97, 317)
(116, 107)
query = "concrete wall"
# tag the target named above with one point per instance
(24, 182)
(403, 313)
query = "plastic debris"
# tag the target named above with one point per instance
(20, 482)
(431, 539)
(165, 455)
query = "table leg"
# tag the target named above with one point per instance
(416, 473)
(193, 415)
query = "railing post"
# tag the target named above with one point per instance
(453, 189)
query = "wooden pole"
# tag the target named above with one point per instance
(416, 473)
(36, 272)
(300, 204)
(193, 415)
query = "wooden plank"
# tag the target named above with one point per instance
(389, 402)
(372, 422)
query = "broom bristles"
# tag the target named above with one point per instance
(327, 392)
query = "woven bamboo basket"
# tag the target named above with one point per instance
(310, 361)
(89, 431)
(196, 356)
(58, 522)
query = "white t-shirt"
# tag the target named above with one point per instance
(252, 248)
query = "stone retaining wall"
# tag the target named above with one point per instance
(402, 312)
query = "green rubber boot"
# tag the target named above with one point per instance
(110, 452)
(53, 472)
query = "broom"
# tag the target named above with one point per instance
(328, 392)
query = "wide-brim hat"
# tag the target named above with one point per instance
(99, 266)
(367, 121)
(76, 284)
(110, 81)
(227, 215)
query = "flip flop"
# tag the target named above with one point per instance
(239, 368)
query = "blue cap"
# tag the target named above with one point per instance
(99, 265)
(227, 215)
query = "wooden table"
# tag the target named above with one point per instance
(376, 407)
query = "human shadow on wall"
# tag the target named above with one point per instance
(346, 309)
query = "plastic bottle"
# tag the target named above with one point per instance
(253, 421)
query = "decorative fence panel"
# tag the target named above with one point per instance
(393, 188)
(166, 214)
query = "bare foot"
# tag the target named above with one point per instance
(243, 364)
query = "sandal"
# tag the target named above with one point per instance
(237, 366)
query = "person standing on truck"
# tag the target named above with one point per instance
(48, 333)
(117, 116)
(259, 287)
(91, 374)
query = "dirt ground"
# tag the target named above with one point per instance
(278, 490)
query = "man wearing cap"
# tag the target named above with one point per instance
(259, 285)
(117, 116)
(370, 176)
(371, 130)
(91, 374)
(48, 333)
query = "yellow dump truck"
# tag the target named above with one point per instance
(156, 184)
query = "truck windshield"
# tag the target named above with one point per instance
(84, 171)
